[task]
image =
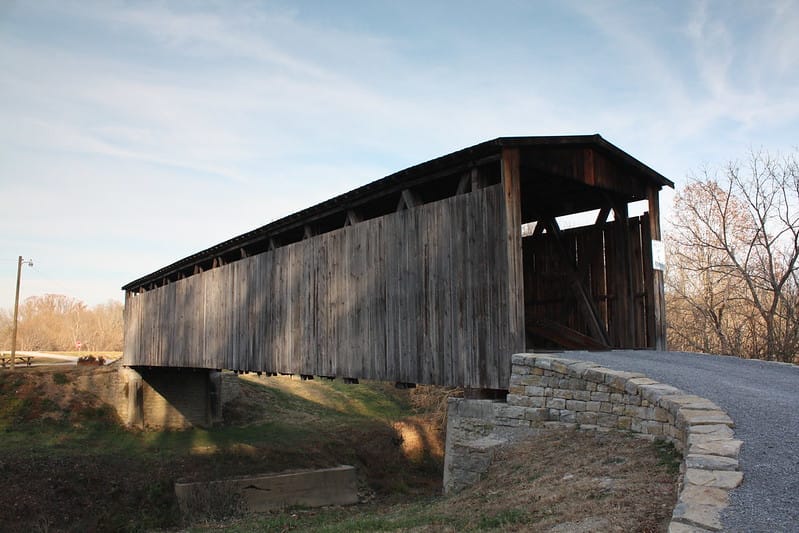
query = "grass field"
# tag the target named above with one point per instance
(67, 465)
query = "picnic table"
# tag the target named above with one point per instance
(5, 360)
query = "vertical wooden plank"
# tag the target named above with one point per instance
(624, 272)
(266, 325)
(338, 322)
(411, 295)
(131, 351)
(469, 345)
(596, 255)
(320, 303)
(615, 288)
(511, 179)
(480, 265)
(459, 301)
(638, 288)
(443, 287)
(390, 246)
(307, 289)
(379, 315)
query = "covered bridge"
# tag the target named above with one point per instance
(435, 274)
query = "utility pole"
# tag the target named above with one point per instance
(16, 309)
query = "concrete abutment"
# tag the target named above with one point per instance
(170, 398)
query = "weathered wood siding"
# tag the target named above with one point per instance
(419, 296)
(620, 283)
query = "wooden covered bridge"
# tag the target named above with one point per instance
(436, 274)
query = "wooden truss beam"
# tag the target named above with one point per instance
(589, 310)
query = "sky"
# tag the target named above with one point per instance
(133, 134)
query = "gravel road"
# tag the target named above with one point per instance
(763, 400)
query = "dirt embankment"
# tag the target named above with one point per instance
(67, 465)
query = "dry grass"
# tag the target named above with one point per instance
(560, 481)
(573, 481)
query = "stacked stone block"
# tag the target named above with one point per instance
(547, 392)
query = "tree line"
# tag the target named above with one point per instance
(55, 322)
(732, 281)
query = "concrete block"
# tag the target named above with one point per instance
(582, 395)
(523, 359)
(502, 410)
(722, 479)
(268, 492)
(710, 462)
(696, 417)
(536, 415)
(607, 420)
(725, 448)
(600, 396)
(525, 401)
(653, 393)
(556, 403)
(631, 387)
(575, 405)
(677, 527)
(533, 390)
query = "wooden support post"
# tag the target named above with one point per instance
(658, 296)
(273, 243)
(479, 181)
(511, 184)
(464, 184)
(308, 232)
(243, 253)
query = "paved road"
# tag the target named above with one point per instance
(66, 360)
(71, 358)
(763, 400)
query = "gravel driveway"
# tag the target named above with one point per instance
(763, 400)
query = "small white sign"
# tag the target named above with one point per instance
(658, 255)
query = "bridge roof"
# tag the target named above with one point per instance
(416, 175)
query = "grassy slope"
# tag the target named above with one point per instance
(66, 465)
(71, 467)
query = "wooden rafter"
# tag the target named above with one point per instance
(408, 200)
(353, 217)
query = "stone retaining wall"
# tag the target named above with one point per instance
(548, 392)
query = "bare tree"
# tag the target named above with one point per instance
(57, 322)
(733, 276)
